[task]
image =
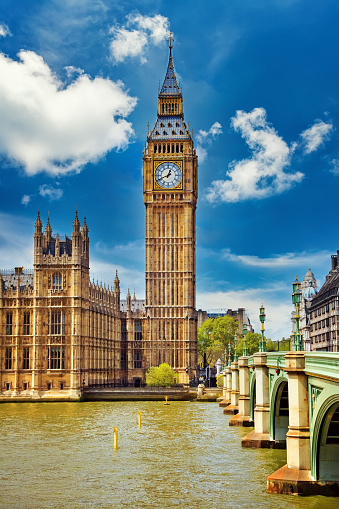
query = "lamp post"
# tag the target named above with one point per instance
(224, 358)
(235, 355)
(229, 354)
(296, 299)
(262, 343)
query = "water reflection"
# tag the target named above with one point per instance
(60, 455)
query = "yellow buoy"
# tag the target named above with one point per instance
(139, 419)
(166, 402)
(115, 438)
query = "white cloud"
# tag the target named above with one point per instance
(205, 138)
(129, 278)
(134, 250)
(335, 166)
(16, 241)
(52, 193)
(262, 175)
(314, 137)
(25, 199)
(132, 39)
(279, 261)
(46, 126)
(276, 299)
(4, 30)
(73, 71)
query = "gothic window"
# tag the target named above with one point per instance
(56, 357)
(155, 148)
(57, 281)
(25, 358)
(181, 132)
(137, 331)
(173, 134)
(176, 106)
(177, 124)
(177, 148)
(137, 359)
(161, 124)
(156, 133)
(164, 133)
(181, 147)
(57, 323)
(9, 323)
(169, 124)
(122, 360)
(168, 148)
(27, 320)
(123, 330)
(8, 358)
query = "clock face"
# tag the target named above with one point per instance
(168, 175)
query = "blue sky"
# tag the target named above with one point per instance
(78, 85)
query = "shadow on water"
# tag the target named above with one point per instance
(60, 455)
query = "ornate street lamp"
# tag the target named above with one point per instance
(296, 299)
(262, 343)
(235, 355)
(224, 358)
(229, 354)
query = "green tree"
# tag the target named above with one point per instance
(252, 339)
(214, 336)
(161, 376)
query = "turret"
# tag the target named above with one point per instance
(57, 245)
(48, 232)
(76, 240)
(38, 240)
(85, 241)
(116, 292)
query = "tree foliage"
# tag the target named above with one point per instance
(161, 376)
(252, 339)
(214, 336)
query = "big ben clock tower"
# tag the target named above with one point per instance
(170, 186)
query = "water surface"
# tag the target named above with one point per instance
(60, 455)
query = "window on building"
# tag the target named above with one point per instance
(27, 321)
(327, 308)
(311, 315)
(8, 358)
(137, 359)
(25, 358)
(56, 357)
(137, 331)
(57, 323)
(333, 320)
(61, 386)
(123, 330)
(57, 281)
(327, 322)
(25, 386)
(333, 304)
(49, 386)
(122, 360)
(8, 386)
(9, 323)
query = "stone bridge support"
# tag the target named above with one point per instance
(233, 408)
(243, 417)
(260, 436)
(227, 387)
(295, 477)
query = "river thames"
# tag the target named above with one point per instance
(61, 455)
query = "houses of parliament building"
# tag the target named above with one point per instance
(61, 333)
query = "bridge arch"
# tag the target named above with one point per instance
(253, 398)
(325, 441)
(279, 410)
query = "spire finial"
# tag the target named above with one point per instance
(170, 40)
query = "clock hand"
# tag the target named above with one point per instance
(168, 174)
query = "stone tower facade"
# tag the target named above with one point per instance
(170, 186)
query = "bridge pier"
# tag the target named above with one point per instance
(243, 417)
(233, 408)
(260, 436)
(295, 477)
(227, 388)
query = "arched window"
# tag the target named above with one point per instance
(57, 281)
(169, 124)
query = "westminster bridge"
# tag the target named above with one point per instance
(292, 401)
